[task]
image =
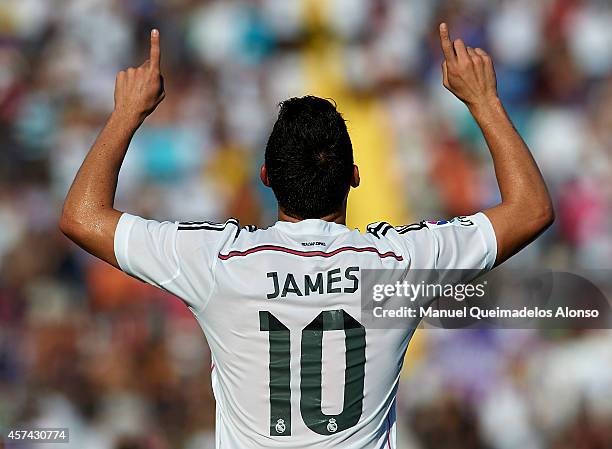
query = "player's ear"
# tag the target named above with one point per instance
(263, 175)
(355, 178)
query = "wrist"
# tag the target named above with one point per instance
(126, 118)
(486, 106)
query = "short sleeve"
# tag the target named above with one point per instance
(176, 257)
(465, 243)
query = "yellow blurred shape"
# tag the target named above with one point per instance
(380, 197)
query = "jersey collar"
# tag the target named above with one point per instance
(312, 226)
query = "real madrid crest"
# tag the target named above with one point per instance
(331, 425)
(280, 426)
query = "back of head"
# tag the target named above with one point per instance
(309, 158)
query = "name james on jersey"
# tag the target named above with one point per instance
(327, 282)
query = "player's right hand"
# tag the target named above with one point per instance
(467, 72)
(138, 90)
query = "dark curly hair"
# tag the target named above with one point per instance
(309, 158)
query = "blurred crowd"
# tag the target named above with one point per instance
(124, 365)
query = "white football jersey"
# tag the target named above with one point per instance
(293, 367)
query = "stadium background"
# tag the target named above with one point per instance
(124, 365)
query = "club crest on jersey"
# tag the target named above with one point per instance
(280, 426)
(331, 425)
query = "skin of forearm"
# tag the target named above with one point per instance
(88, 213)
(517, 174)
(526, 209)
(88, 217)
(525, 198)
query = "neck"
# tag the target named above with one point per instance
(337, 217)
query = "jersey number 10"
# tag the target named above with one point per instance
(310, 372)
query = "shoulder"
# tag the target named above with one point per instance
(381, 229)
(208, 226)
(214, 236)
(230, 227)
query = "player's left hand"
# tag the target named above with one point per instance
(138, 90)
(467, 72)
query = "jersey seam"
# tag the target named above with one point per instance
(213, 270)
(410, 251)
(436, 248)
(402, 253)
(176, 258)
(488, 263)
(486, 247)
(124, 245)
(213, 284)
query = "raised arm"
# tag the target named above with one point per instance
(526, 209)
(88, 217)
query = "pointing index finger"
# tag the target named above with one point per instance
(445, 42)
(155, 54)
